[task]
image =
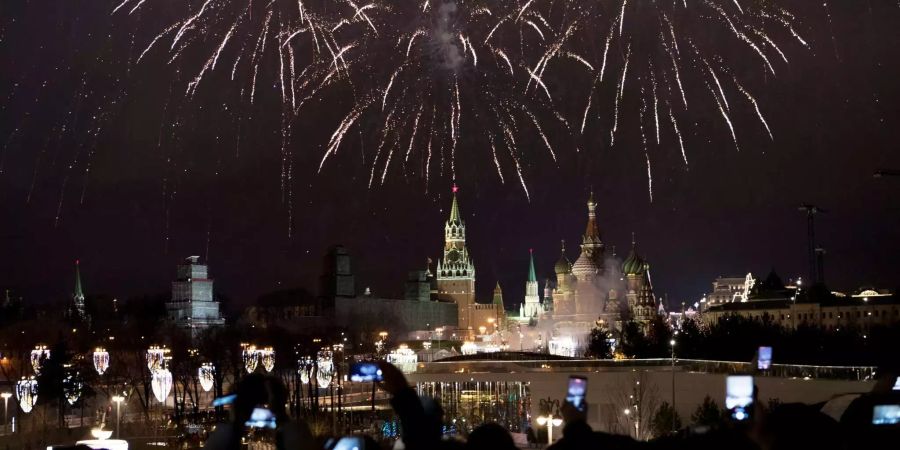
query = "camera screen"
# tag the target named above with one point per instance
(261, 418)
(576, 392)
(886, 415)
(364, 372)
(739, 396)
(764, 358)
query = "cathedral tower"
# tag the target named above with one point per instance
(590, 262)
(638, 289)
(455, 271)
(563, 295)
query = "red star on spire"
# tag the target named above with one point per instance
(455, 188)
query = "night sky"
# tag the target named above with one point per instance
(833, 111)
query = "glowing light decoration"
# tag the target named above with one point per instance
(267, 357)
(563, 346)
(40, 354)
(161, 383)
(101, 360)
(304, 366)
(251, 357)
(27, 393)
(469, 348)
(325, 364)
(72, 387)
(404, 358)
(206, 374)
(156, 357)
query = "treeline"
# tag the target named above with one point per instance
(736, 338)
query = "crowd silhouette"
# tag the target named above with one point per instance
(841, 423)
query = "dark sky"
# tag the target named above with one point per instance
(833, 110)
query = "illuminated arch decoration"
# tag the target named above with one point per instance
(156, 358)
(267, 357)
(27, 393)
(206, 375)
(304, 366)
(161, 384)
(325, 368)
(101, 360)
(40, 354)
(250, 357)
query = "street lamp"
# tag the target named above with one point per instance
(550, 422)
(118, 399)
(6, 396)
(672, 344)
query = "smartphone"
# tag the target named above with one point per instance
(739, 396)
(886, 415)
(365, 371)
(576, 392)
(226, 400)
(261, 418)
(764, 358)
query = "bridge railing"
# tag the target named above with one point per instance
(852, 373)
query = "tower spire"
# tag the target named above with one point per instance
(531, 274)
(79, 293)
(454, 208)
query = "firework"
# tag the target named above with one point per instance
(669, 65)
(423, 88)
(445, 74)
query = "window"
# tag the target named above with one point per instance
(830, 315)
(857, 314)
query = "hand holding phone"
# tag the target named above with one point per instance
(576, 392)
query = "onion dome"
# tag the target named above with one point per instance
(563, 266)
(634, 264)
(585, 266)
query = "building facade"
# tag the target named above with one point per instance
(832, 314)
(192, 306)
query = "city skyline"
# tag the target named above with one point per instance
(512, 280)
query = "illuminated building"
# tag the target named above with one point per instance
(192, 305)
(456, 276)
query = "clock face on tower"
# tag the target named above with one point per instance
(453, 256)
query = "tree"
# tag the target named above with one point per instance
(633, 343)
(659, 333)
(665, 420)
(598, 343)
(708, 414)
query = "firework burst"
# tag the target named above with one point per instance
(677, 55)
(446, 72)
